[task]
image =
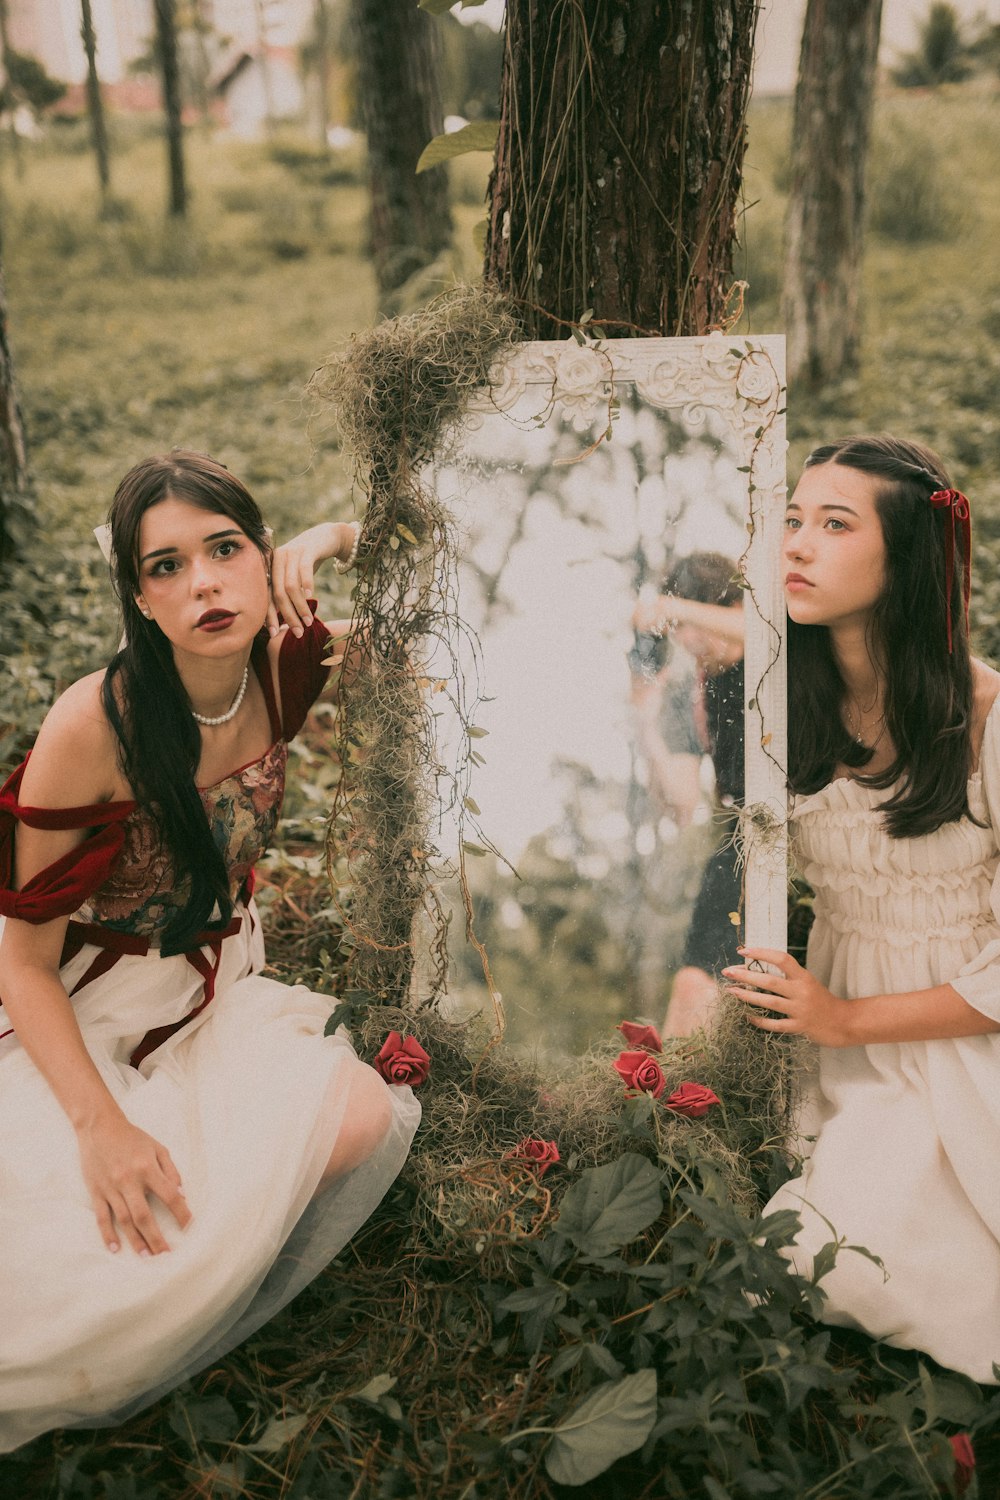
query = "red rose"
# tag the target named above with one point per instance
(402, 1060)
(646, 1037)
(640, 1071)
(692, 1099)
(965, 1460)
(539, 1153)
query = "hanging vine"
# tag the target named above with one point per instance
(395, 392)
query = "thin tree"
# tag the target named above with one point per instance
(167, 57)
(95, 105)
(15, 139)
(398, 50)
(321, 40)
(825, 226)
(619, 162)
(14, 476)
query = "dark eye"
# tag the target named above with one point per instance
(227, 549)
(164, 567)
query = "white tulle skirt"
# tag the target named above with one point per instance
(249, 1099)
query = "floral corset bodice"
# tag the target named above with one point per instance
(141, 895)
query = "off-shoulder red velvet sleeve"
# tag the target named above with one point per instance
(302, 674)
(59, 889)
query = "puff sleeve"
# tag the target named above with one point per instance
(302, 674)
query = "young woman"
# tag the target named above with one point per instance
(181, 1148)
(895, 770)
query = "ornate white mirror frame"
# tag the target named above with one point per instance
(721, 380)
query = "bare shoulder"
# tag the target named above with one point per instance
(74, 761)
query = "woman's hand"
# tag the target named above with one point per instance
(805, 1007)
(657, 616)
(122, 1165)
(293, 568)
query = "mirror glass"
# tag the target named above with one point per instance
(598, 494)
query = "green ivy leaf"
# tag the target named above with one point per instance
(610, 1205)
(616, 1419)
(478, 135)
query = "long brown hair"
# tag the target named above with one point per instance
(159, 741)
(929, 688)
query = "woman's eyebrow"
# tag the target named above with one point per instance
(216, 536)
(794, 505)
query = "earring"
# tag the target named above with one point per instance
(145, 610)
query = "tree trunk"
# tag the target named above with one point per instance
(619, 162)
(95, 107)
(398, 53)
(166, 46)
(321, 24)
(831, 128)
(14, 483)
(15, 139)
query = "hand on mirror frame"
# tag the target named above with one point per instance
(805, 1007)
(655, 616)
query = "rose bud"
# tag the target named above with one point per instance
(638, 1070)
(535, 1152)
(965, 1460)
(646, 1037)
(691, 1099)
(402, 1060)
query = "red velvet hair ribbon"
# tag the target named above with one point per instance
(958, 506)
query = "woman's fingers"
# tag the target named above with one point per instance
(764, 1000)
(775, 956)
(775, 984)
(171, 1193)
(292, 587)
(106, 1225)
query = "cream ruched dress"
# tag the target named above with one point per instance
(906, 1157)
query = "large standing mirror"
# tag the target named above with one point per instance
(594, 487)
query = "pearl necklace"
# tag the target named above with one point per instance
(233, 707)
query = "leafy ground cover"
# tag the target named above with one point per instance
(495, 1329)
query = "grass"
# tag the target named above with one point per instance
(131, 336)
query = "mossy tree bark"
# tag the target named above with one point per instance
(619, 161)
(167, 55)
(14, 481)
(398, 52)
(95, 105)
(825, 227)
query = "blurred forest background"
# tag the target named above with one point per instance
(174, 275)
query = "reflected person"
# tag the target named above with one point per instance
(701, 609)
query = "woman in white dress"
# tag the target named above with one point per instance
(181, 1147)
(895, 774)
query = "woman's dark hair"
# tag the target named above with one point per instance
(707, 577)
(929, 689)
(160, 744)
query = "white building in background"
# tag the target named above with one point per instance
(50, 31)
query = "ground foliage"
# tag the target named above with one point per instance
(480, 1308)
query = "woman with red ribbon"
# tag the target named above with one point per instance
(181, 1147)
(894, 767)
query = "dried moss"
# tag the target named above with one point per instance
(394, 392)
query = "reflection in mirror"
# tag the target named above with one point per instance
(601, 580)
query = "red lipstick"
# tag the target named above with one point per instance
(215, 619)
